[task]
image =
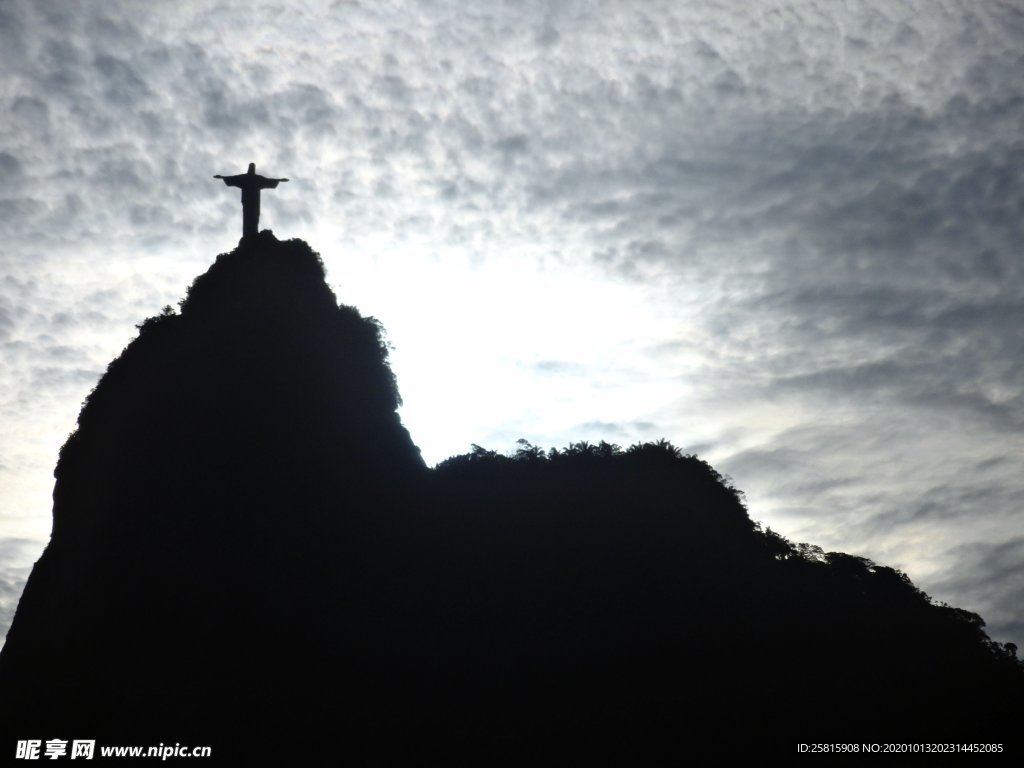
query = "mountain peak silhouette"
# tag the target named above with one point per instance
(261, 358)
(249, 553)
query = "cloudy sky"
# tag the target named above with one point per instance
(786, 236)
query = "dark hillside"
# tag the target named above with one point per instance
(249, 553)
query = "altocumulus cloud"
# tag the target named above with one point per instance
(820, 206)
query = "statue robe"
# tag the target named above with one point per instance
(251, 184)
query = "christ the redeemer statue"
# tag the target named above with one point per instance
(251, 185)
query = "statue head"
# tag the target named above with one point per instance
(252, 168)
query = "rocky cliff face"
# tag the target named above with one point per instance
(249, 553)
(209, 508)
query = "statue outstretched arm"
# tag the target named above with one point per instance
(266, 183)
(232, 181)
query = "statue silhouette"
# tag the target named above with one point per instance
(251, 184)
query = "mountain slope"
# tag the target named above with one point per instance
(249, 553)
